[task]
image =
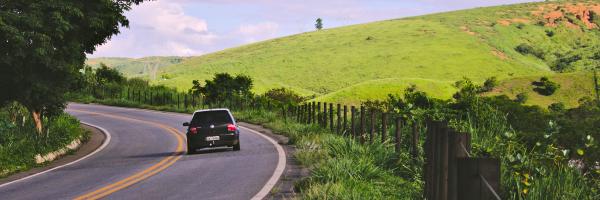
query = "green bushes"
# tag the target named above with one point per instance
(545, 86)
(522, 98)
(526, 49)
(20, 142)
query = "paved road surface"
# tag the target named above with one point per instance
(144, 160)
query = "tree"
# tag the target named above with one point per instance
(44, 45)
(319, 24)
(106, 75)
(222, 87)
(284, 96)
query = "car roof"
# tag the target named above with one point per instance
(213, 109)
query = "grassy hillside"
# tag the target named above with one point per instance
(141, 67)
(359, 62)
(574, 86)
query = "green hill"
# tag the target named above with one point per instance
(142, 67)
(354, 63)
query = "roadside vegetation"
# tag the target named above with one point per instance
(44, 46)
(20, 142)
(537, 146)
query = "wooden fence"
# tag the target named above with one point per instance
(450, 173)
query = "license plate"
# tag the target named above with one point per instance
(212, 138)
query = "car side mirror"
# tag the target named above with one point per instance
(186, 124)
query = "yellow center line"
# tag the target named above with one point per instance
(151, 171)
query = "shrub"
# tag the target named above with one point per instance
(549, 33)
(284, 96)
(489, 84)
(557, 107)
(545, 86)
(526, 49)
(522, 98)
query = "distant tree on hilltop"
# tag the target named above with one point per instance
(319, 24)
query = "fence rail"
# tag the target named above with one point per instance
(449, 170)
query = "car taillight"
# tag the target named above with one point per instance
(193, 130)
(231, 127)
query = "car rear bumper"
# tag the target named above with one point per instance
(199, 141)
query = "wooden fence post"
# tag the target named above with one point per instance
(372, 126)
(313, 113)
(344, 128)
(318, 113)
(362, 124)
(415, 140)
(339, 119)
(324, 118)
(331, 117)
(384, 131)
(353, 123)
(398, 135)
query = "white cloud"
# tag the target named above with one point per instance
(159, 28)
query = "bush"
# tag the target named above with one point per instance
(545, 86)
(284, 96)
(20, 142)
(522, 98)
(526, 49)
(489, 84)
(557, 107)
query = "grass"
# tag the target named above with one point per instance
(368, 61)
(20, 142)
(574, 86)
(342, 168)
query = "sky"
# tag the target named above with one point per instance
(197, 27)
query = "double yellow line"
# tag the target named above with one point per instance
(137, 177)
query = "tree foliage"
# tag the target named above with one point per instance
(284, 96)
(222, 87)
(319, 24)
(44, 45)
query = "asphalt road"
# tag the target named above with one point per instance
(144, 160)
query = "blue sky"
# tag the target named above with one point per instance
(196, 27)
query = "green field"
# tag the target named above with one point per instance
(368, 61)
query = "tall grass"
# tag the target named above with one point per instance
(20, 142)
(342, 168)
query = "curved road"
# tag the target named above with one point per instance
(145, 160)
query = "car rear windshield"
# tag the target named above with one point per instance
(207, 118)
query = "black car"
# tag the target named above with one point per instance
(212, 128)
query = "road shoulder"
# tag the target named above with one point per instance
(294, 172)
(96, 140)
